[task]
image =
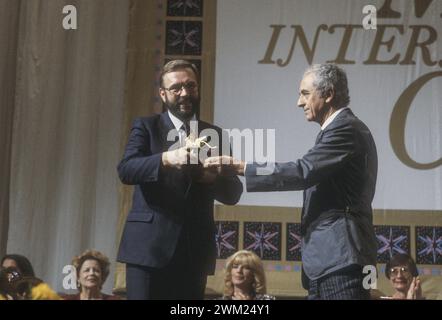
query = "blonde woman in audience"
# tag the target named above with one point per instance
(92, 269)
(245, 278)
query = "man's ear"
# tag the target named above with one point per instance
(162, 94)
(330, 95)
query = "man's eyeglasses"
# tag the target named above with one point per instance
(176, 89)
(404, 270)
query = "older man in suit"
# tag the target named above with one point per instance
(168, 242)
(338, 176)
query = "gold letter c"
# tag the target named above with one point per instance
(398, 120)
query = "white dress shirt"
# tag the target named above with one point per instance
(332, 117)
(178, 124)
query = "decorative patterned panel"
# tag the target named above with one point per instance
(293, 252)
(185, 8)
(226, 238)
(392, 240)
(264, 238)
(428, 245)
(184, 37)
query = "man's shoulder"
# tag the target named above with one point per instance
(351, 128)
(147, 123)
(147, 120)
(347, 120)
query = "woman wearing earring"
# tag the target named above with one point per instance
(92, 269)
(245, 278)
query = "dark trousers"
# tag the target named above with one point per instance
(181, 279)
(144, 283)
(344, 284)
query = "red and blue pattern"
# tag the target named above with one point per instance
(429, 245)
(264, 238)
(226, 238)
(392, 240)
(293, 252)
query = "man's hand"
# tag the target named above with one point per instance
(225, 165)
(176, 158)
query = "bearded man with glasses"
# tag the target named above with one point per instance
(168, 242)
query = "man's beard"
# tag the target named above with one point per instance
(175, 109)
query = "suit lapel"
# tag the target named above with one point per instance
(166, 126)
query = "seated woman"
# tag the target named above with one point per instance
(92, 270)
(7, 276)
(402, 272)
(14, 286)
(245, 278)
(20, 262)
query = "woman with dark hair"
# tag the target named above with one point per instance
(20, 262)
(7, 276)
(92, 270)
(14, 286)
(402, 272)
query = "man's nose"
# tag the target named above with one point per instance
(301, 102)
(184, 91)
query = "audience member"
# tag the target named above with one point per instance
(402, 272)
(92, 269)
(245, 278)
(20, 262)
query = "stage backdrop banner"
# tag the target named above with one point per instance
(395, 82)
(393, 58)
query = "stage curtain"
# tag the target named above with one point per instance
(69, 98)
(9, 10)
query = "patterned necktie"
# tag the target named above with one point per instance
(187, 170)
(186, 128)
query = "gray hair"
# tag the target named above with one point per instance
(329, 77)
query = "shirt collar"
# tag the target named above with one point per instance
(332, 117)
(177, 122)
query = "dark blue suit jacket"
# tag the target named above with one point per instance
(339, 178)
(167, 201)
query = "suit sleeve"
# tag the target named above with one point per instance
(139, 165)
(228, 190)
(333, 151)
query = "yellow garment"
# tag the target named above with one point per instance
(44, 292)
